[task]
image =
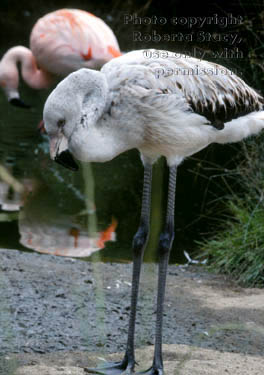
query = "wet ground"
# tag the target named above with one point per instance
(51, 306)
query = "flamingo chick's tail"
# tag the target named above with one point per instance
(240, 128)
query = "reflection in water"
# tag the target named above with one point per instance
(63, 241)
(51, 230)
(10, 200)
(10, 191)
(53, 196)
(62, 234)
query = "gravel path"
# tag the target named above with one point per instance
(53, 306)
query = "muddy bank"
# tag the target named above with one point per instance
(178, 360)
(59, 305)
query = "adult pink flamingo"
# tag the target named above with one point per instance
(60, 43)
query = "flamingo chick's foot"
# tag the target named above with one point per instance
(153, 370)
(113, 368)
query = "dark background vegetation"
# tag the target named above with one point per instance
(209, 179)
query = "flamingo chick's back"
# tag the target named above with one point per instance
(173, 106)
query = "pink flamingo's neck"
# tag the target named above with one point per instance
(32, 75)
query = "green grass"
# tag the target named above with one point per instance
(237, 248)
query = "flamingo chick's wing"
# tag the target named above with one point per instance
(206, 88)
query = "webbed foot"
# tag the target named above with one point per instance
(153, 370)
(125, 367)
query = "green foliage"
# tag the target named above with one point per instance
(238, 249)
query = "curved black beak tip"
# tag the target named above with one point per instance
(65, 159)
(19, 103)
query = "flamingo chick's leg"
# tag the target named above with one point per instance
(126, 366)
(165, 244)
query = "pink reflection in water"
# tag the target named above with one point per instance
(64, 241)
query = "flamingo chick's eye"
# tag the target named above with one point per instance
(61, 123)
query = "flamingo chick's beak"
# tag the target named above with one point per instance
(60, 153)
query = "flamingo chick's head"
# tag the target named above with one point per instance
(60, 117)
(73, 100)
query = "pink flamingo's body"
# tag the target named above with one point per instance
(60, 43)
